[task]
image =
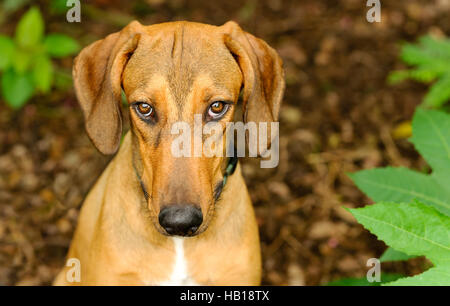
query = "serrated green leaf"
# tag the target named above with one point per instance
(436, 276)
(423, 75)
(414, 55)
(397, 76)
(415, 228)
(393, 255)
(59, 45)
(6, 52)
(431, 137)
(439, 47)
(427, 51)
(16, 88)
(431, 58)
(402, 185)
(439, 93)
(30, 28)
(43, 73)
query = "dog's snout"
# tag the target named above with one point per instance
(180, 219)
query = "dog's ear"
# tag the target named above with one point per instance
(263, 74)
(97, 75)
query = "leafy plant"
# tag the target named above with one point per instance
(430, 59)
(363, 281)
(25, 60)
(413, 210)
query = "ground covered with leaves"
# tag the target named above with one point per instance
(338, 116)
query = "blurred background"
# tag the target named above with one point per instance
(340, 115)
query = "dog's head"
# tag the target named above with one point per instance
(170, 72)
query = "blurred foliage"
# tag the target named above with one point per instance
(430, 59)
(25, 59)
(10, 6)
(58, 6)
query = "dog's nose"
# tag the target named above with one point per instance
(180, 219)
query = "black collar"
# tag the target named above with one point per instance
(231, 167)
(144, 191)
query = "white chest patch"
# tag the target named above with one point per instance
(179, 276)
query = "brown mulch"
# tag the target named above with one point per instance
(338, 116)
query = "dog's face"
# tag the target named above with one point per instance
(169, 73)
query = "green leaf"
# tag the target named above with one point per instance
(59, 45)
(30, 28)
(58, 6)
(437, 276)
(402, 185)
(21, 60)
(427, 52)
(393, 255)
(6, 52)
(431, 137)
(431, 60)
(43, 73)
(415, 229)
(16, 88)
(362, 281)
(397, 76)
(415, 55)
(439, 93)
(424, 75)
(440, 47)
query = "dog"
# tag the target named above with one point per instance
(151, 218)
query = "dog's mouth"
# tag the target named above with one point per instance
(191, 233)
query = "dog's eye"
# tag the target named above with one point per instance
(217, 109)
(144, 109)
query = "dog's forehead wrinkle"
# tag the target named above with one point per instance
(178, 45)
(180, 81)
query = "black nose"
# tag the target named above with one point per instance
(180, 219)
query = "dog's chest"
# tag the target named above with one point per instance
(179, 275)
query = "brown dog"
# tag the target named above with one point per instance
(153, 218)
